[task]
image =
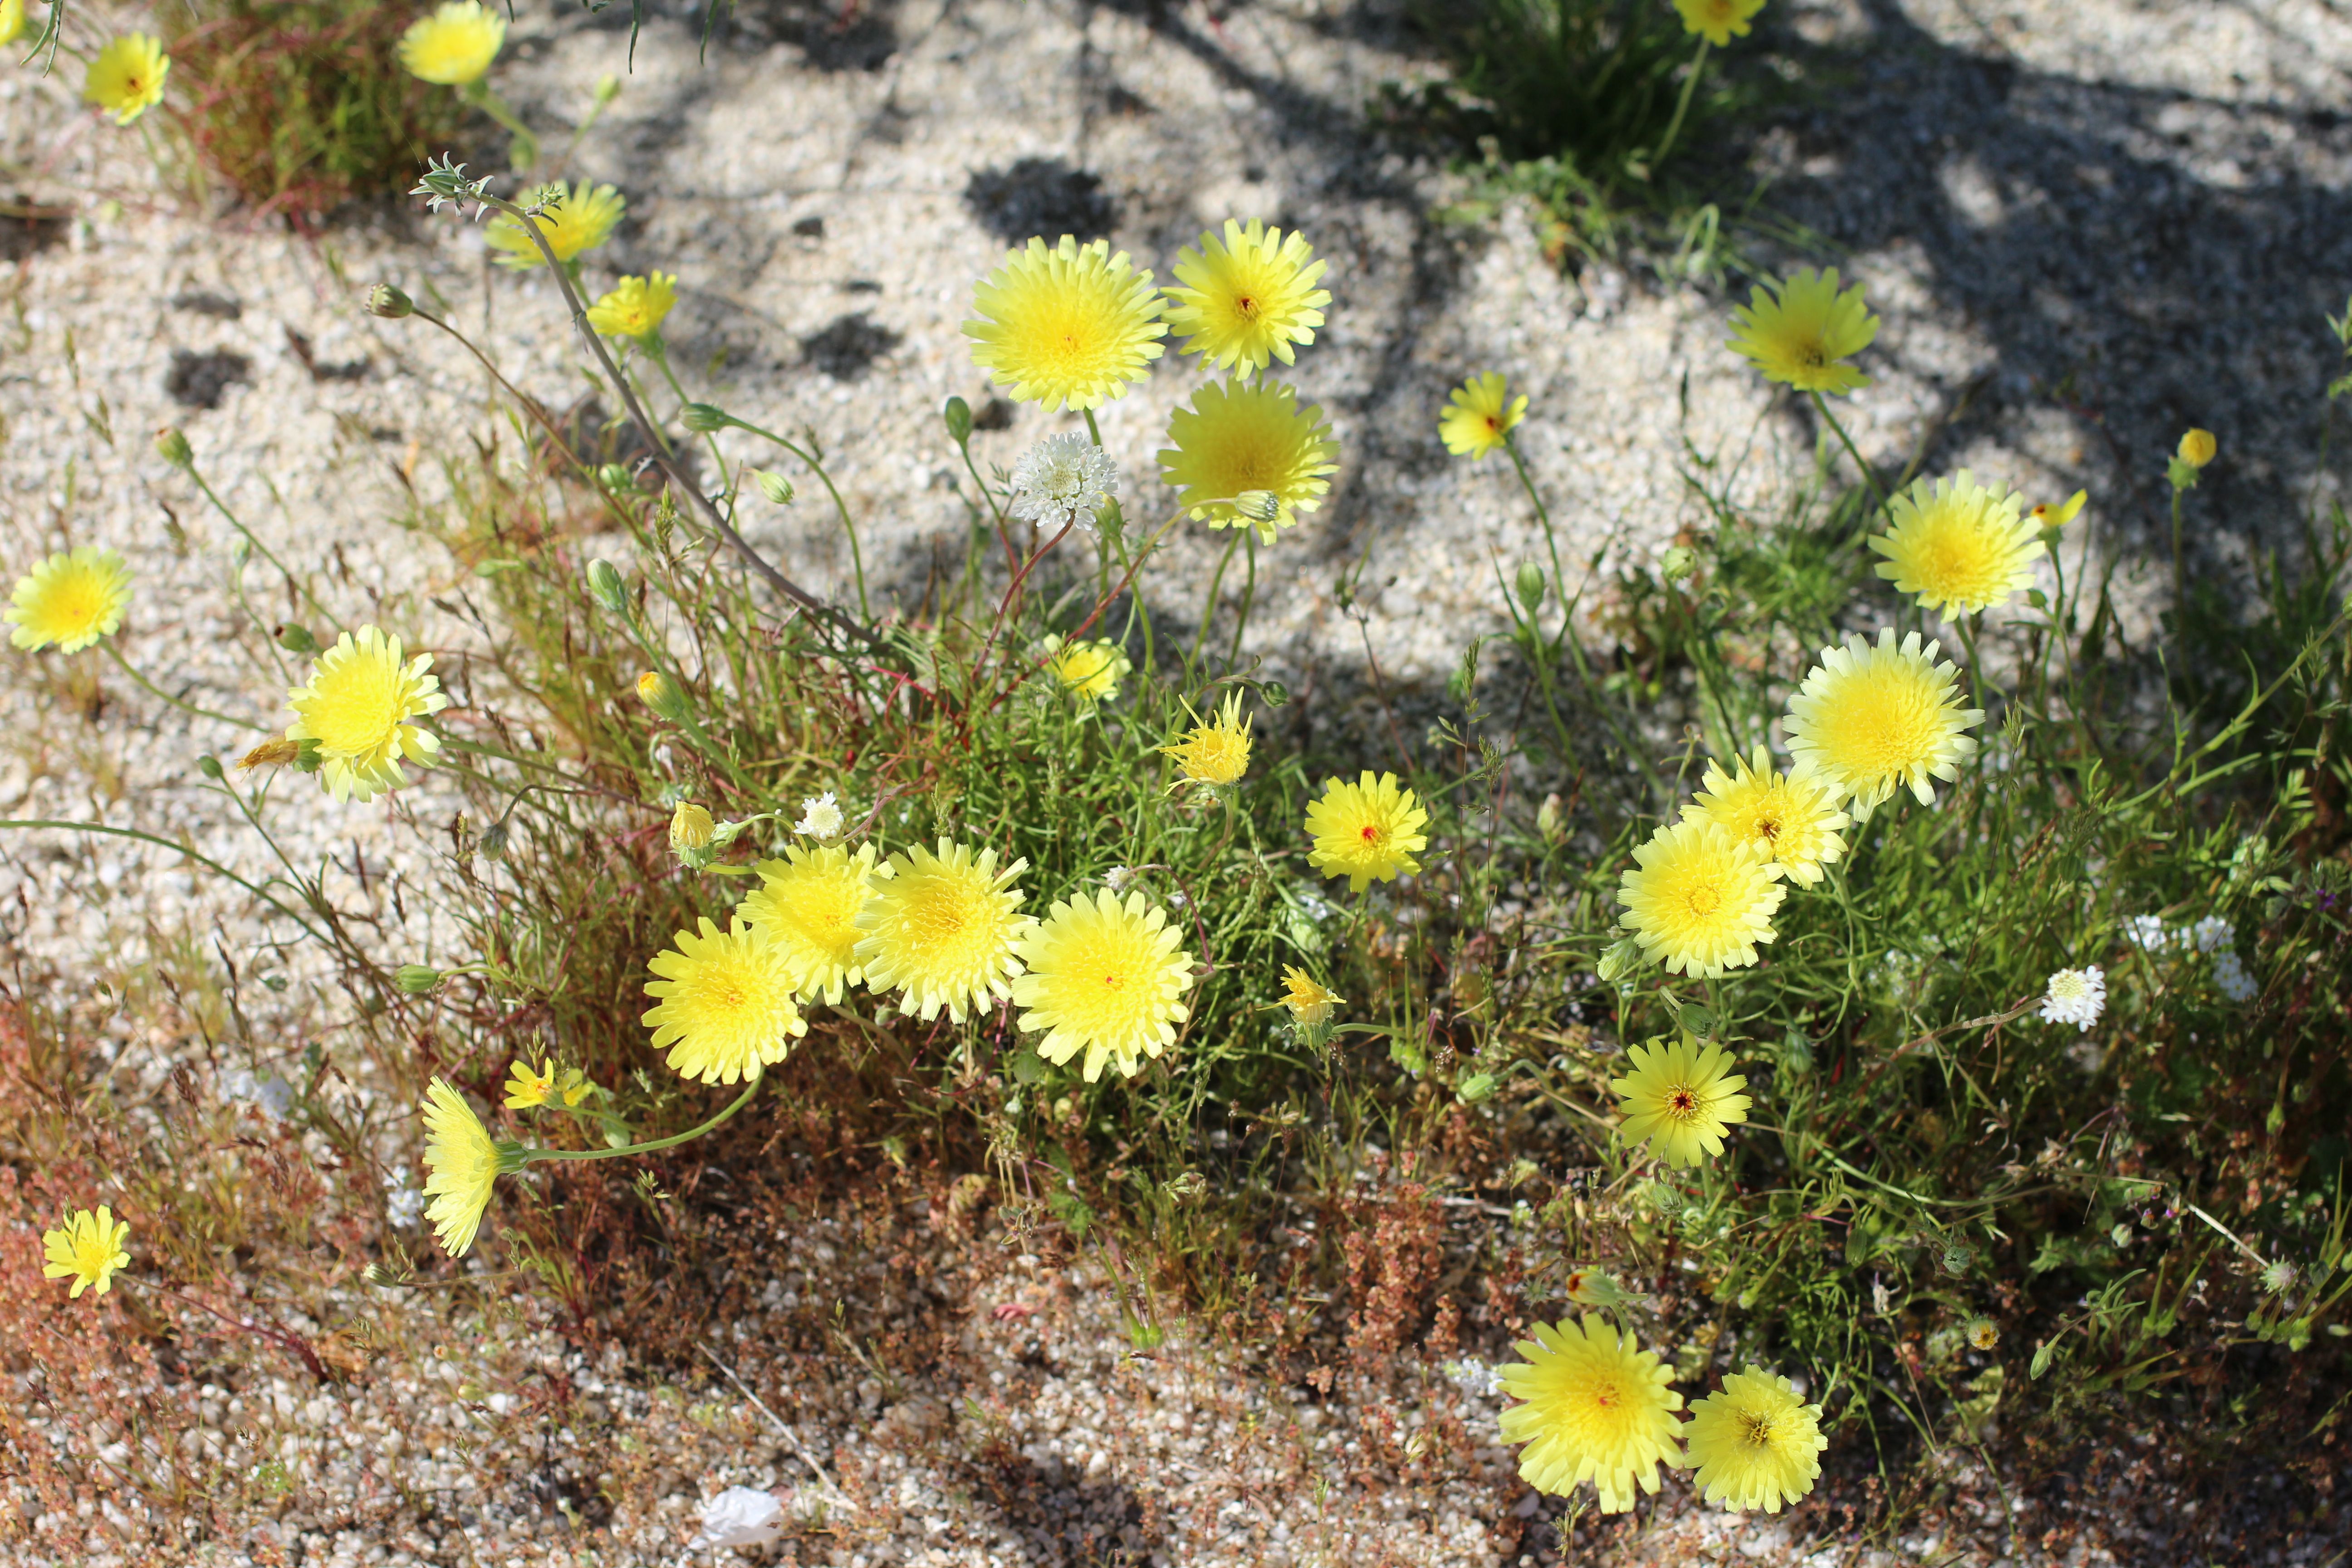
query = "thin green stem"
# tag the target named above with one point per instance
(742, 1100)
(1682, 107)
(1216, 581)
(154, 690)
(2179, 577)
(1249, 595)
(251, 537)
(1551, 537)
(857, 558)
(1869, 474)
(208, 864)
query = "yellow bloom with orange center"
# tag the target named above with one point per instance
(1680, 1099)
(126, 79)
(635, 307)
(1802, 330)
(1792, 819)
(1756, 1443)
(1599, 1408)
(1700, 901)
(1245, 300)
(1480, 417)
(942, 927)
(87, 1249)
(1871, 719)
(1367, 831)
(1310, 1001)
(1249, 436)
(73, 599)
(356, 706)
(809, 902)
(1217, 753)
(529, 1087)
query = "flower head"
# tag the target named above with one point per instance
(1756, 1443)
(1480, 417)
(1873, 719)
(1718, 21)
(1598, 1408)
(1960, 546)
(726, 1002)
(455, 46)
(87, 1249)
(1073, 325)
(1104, 977)
(1089, 670)
(126, 79)
(356, 706)
(529, 1087)
(1700, 899)
(71, 599)
(2198, 448)
(461, 1166)
(1983, 1333)
(1217, 753)
(1249, 436)
(1366, 831)
(808, 903)
(1310, 1001)
(2076, 997)
(940, 929)
(1790, 818)
(1801, 332)
(2058, 514)
(1680, 1099)
(691, 830)
(2278, 1276)
(12, 20)
(635, 307)
(575, 219)
(1246, 298)
(1063, 479)
(821, 818)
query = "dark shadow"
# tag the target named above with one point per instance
(1067, 1519)
(1040, 197)
(847, 346)
(27, 229)
(832, 34)
(204, 302)
(197, 380)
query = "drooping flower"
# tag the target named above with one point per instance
(1249, 437)
(1699, 899)
(821, 818)
(455, 46)
(1480, 417)
(1367, 831)
(1756, 1443)
(1803, 330)
(809, 902)
(1215, 753)
(1089, 670)
(529, 1087)
(2058, 514)
(1247, 298)
(1103, 977)
(2075, 997)
(940, 929)
(1790, 818)
(1071, 326)
(1718, 21)
(461, 1166)
(635, 307)
(1599, 1408)
(580, 218)
(356, 706)
(1870, 719)
(1959, 546)
(1310, 1001)
(126, 79)
(726, 1008)
(89, 1249)
(1680, 1099)
(1061, 480)
(71, 599)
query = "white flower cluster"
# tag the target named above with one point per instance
(2076, 997)
(1063, 479)
(2229, 974)
(2210, 935)
(1473, 1376)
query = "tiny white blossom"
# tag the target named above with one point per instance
(738, 1517)
(405, 1205)
(1063, 479)
(273, 1094)
(2230, 975)
(2148, 933)
(2279, 1276)
(2210, 934)
(1118, 877)
(1473, 1376)
(2076, 997)
(820, 818)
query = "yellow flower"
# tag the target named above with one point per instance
(1366, 831)
(580, 219)
(461, 1166)
(1088, 670)
(1072, 325)
(1960, 546)
(635, 307)
(356, 704)
(809, 902)
(89, 1249)
(2198, 448)
(1247, 298)
(1598, 1408)
(690, 828)
(455, 46)
(12, 20)
(1870, 720)
(2047, 515)
(1306, 998)
(72, 600)
(1756, 1443)
(1718, 21)
(1790, 818)
(1801, 336)
(726, 1002)
(576, 1087)
(529, 1087)
(1215, 754)
(126, 79)
(940, 929)
(1983, 1333)
(1680, 1099)
(1103, 977)
(1700, 899)
(1480, 417)
(1249, 436)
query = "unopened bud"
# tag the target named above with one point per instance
(616, 478)
(1258, 506)
(240, 551)
(416, 979)
(957, 414)
(1619, 961)
(494, 841)
(607, 88)
(774, 486)
(1272, 693)
(173, 447)
(389, 303)
(295, 637)
(690, 828)
(1548, 821)
(1678, 562)
(661, 694)
(2199, 448)
(702, 418)
(604, 586)
(209, 765)
(1531, 587)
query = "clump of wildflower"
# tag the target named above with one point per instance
(1246, 299)
(1103, 977)
(1088, 669)
(940, 929)
(1959, 546)
(635, 307)
(1699, 901)
(461, 1166)
(1071, 325)
(575, 220)
(1870, 719)
(1756, 1443)
(71, 599)
(1215, 753)
(2231, 978)
(1599, 1408)
(1249, 437)
(1310, 1002)
(455, 46)
(808, 902)
(1680, 1099)
(821, 818)
(126, 79)
(1367, 831)
(725, 1002)
(356, 706)
(1789, 818)
(1061, 480)
(1801, 332)
(529, 1087)
(1479, 417)
(2075, 997)
(87, 1249)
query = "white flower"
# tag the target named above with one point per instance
(1473, 1376)
(2229, 974)
(273, 1094)
(2210, 934)
(2279, 1276)
(1117, 877)
(2148, 933)
(820, 818)
(405, 1205)
(2076, 997)
(1063, 479)
(738, 1517)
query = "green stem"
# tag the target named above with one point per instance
(209, 865)
(1093, 434)
(250, 538)
(857, 558)
(1216, 581)
(741, 1100)
(1869, 474)
(1249, 594)
(1682, 107)
(154, 690)
(1551, 537)
(2180, 578)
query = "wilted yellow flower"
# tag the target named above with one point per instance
(1800, 330)
(1718, 21)
(635, 307)
(529, 1087)
(1089, 670)
(1700, 901)
(580, 220)
(126, 79)
(1073, 325)
(809, 902)
(1249, 436)
(940, 929)
(88, 1250)
(1756, 1443)
(461, 1166)
(71, 599)
(455, 46)
(1680, 1099)
(1217, 753)
(1105, 978)
(1247, 298)
(356, 705)
(2198, 448)
(1309, 1001)
(726, 1002)
(1598, 1408)
(271, 753)
(1960, 546)
(1366, 831)
(1870, 720)
(1480, 417)
(1790, 818)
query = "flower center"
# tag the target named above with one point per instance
(1371, 834)
(1703, 900)
(1682, 1102)
(1757, 1429)
(1246, 304)
(1769, 827)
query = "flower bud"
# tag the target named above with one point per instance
(702, 418)
(390, 303)
(209, 765)
(616, 478)
(957, 414)
(2198, 448)
(173, 447)
(661, 694)
(1548, 820)
(1619, 961)
(494, 841)
(240, 551)
(1258, 506)
(1678, 562)
(1272, 693)
(690, 828)
(416, 979)
(607, 88)
(773, 485)
(604, 586)
(295, 637)
(1531, 587)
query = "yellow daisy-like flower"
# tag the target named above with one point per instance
(1480, 417)
(126, 79)
(1072, 325)
(726, 1002)
(1103, 977)
(356, 705)
(942, 927)
(809, 902)
(1718, 21)
(529, 1087)
(1088, 670)
(1792, 819)
(1366, 831)
(88, 1250)
(1800, 330)
(70, 600)
(1598, 1408)
(1680, 1099)
(461, 1166)
(1871, 719)
(582, 219)
(1756, 1443)
(1308, 1000)
(1249, 436)
(1700, 899)
(1217, 753)
(1248, 296)
(455, 46)
(1960, 546)
(635, 307)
